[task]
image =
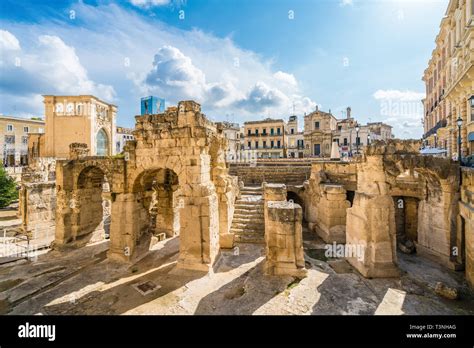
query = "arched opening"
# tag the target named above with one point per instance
(293, 196)
(94, 206)
(157, 192)
(102, 143)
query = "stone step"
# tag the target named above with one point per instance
(247, 232)
(246, 219)
(250, 239)
(249, 206)
(249, 226)
(250, 193)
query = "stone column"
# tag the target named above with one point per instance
(283, 234)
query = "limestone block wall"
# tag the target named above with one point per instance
(37, 198)
(434, 227)
(283, 234)
(371, 225)
(466, 221)
(289, 174)
(371, 221)
(331, 213)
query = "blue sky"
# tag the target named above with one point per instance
(241, 59)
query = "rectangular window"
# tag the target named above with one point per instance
(256, 131)
(316, 125)
(358, 141)
(264, 144)
(264, 132)
(249, 144)
(24, 140)
(278, 131)
(9, 139)
(9, 128)
(345, 141)
(26, 129)
(272, 144)
(339, 128)
(278, 143)
(272, 131)
(249, 132)
(292, 131)
(256, 144)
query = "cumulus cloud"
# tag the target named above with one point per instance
(285, 77)
(346, 3)
(261, 97)
(168, 62)
(8, 42)
(49, 67)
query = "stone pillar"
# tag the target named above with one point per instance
(371, 222)
(283, 234)
(199, 237)
(126, 225)
(331, 216)
(371, 228)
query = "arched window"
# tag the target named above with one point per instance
(102, 143)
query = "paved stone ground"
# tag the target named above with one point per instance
(84, 282)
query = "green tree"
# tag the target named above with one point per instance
(8, 191)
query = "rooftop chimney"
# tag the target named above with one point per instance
(348, 112)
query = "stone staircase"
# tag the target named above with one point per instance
(248, 222)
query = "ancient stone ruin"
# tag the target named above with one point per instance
(173, 180)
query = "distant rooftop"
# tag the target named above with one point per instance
(22, 119)
(267, 120)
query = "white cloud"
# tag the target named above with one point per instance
(261, 97)
(8, 41)
(285, 77)
(149, 3)
(48, 67)
(397, 94)
(168, 62)
(403, 110)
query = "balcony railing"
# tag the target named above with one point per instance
(433, 130)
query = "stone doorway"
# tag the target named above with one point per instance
(406, 220)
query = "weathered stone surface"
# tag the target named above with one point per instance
(445, 291)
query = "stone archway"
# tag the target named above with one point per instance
(83, 210)
(172, 180)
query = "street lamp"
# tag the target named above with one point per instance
(459, 123)
(357, 138)
(436, 140)
(368, 139)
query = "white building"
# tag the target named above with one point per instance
(122, 135)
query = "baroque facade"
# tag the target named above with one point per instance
(449, 82)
